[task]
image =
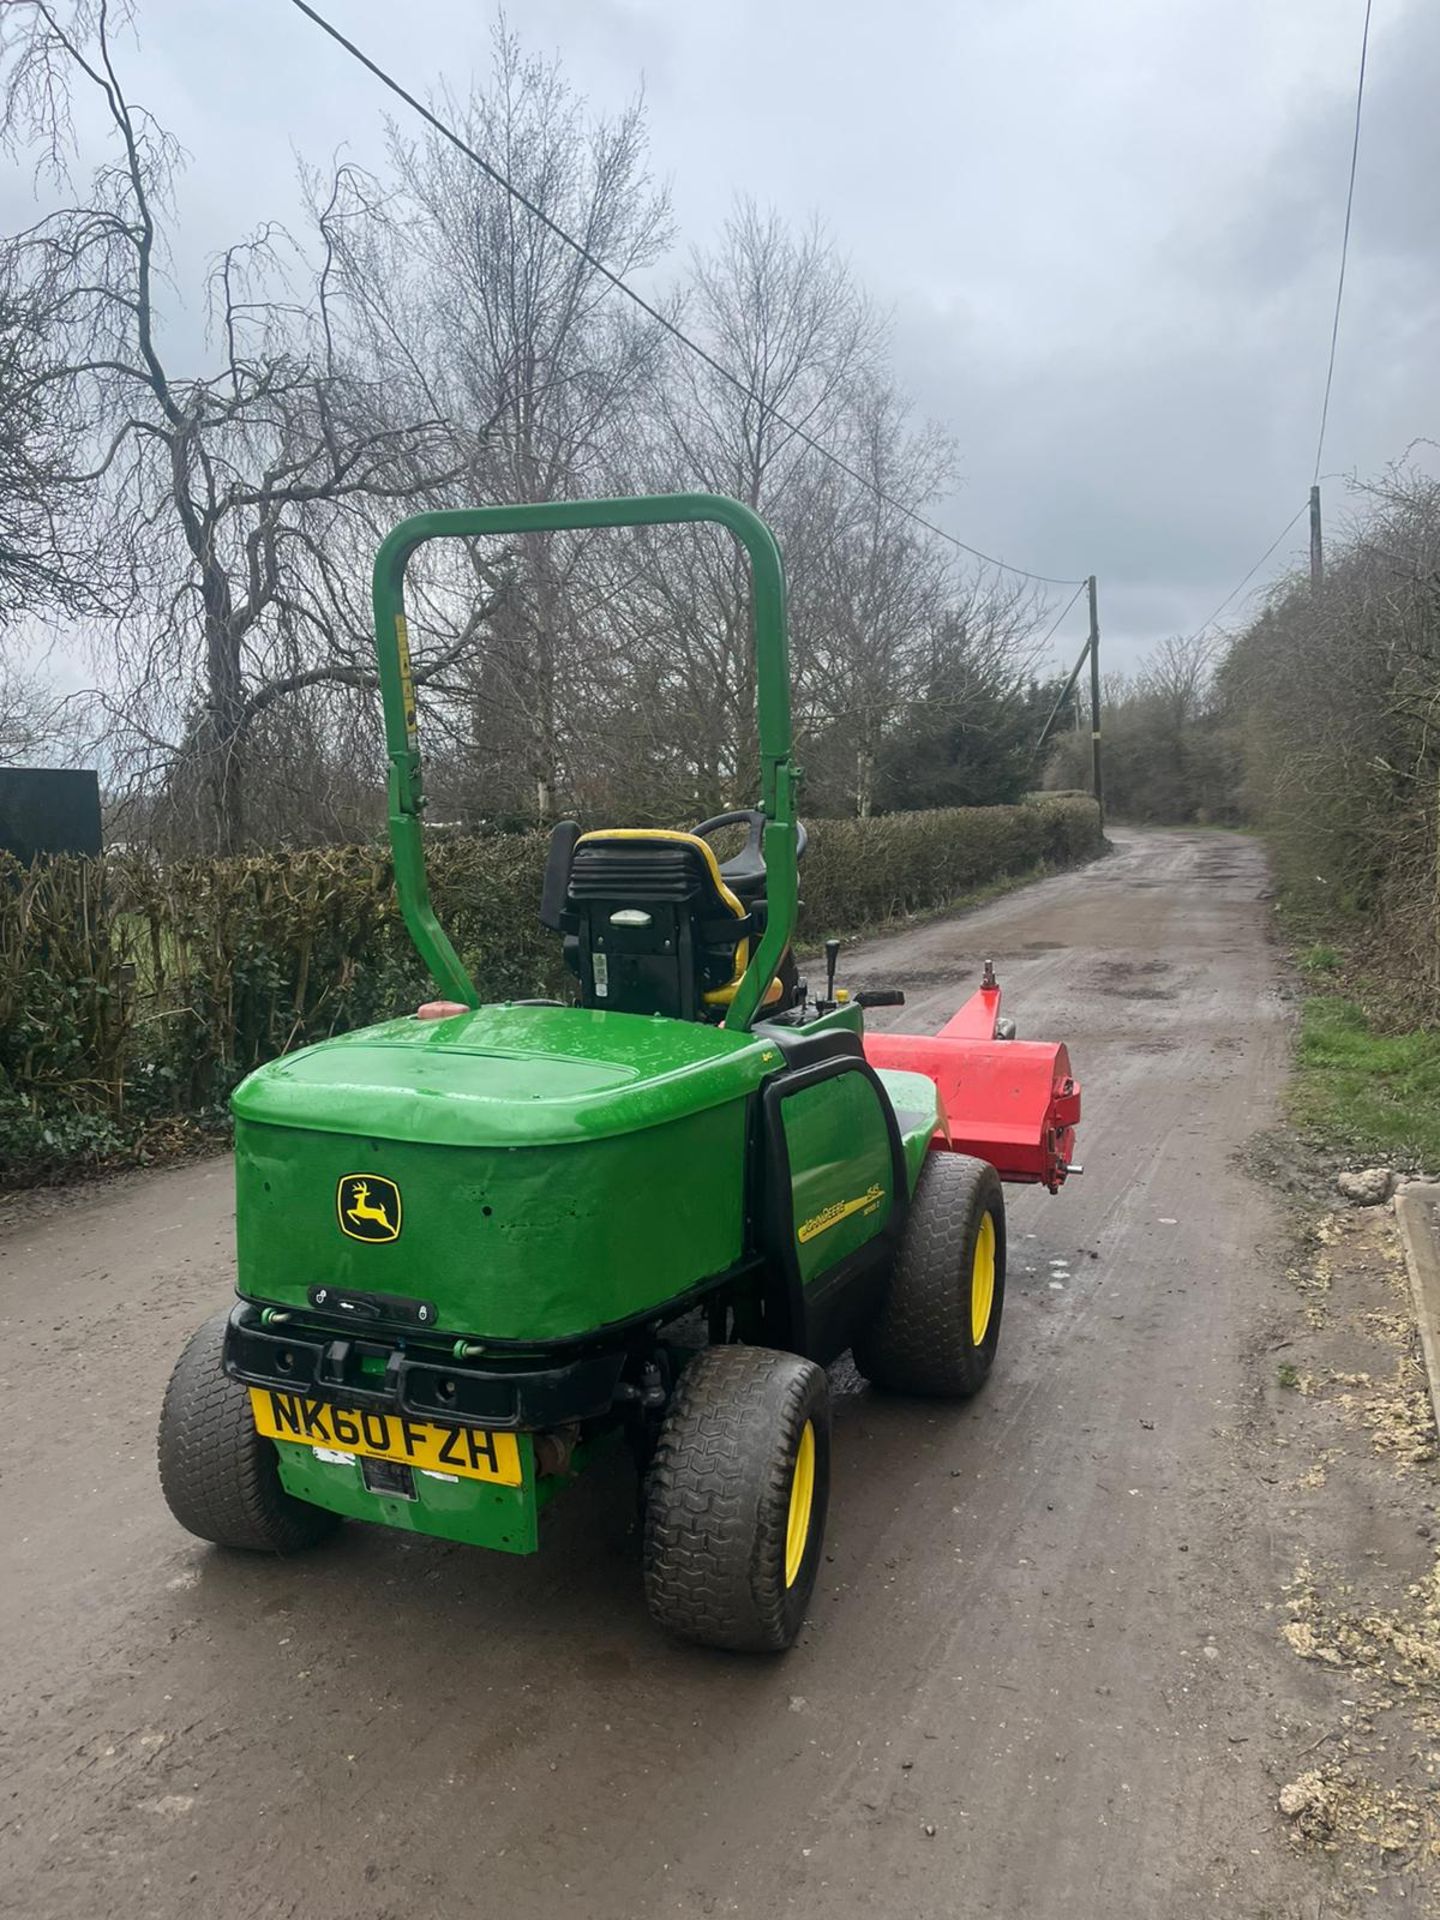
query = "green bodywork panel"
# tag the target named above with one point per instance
(528, 1244)
(477, 1512)
(841, 1173)
(558, 1169)
(508, 1076)
(916, 1100)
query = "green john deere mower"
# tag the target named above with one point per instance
(477, 1244)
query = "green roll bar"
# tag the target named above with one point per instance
(772, 673)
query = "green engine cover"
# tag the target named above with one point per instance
(530, 1172)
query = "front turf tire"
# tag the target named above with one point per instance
(220, 1479)
(939, 1323)
(736, 1499)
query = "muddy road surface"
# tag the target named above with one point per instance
(1039, 1677)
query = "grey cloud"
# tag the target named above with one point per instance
(1108, 234)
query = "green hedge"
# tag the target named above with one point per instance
(863, 873)
(134, 995)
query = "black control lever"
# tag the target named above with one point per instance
(880, 997)
(832, 954)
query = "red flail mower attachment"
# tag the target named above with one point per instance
(1014, 1103)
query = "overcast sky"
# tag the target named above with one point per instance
(1108, 230)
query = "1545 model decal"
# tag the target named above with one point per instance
(832, 1216)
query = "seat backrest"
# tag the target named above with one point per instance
(650, 925)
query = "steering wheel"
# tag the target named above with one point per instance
(754, 822)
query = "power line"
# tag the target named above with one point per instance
(1055, 624)
(676, 333)
(1207, 624)
(1345, 240)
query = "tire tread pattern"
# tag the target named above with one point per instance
(920, 1341)
(718, 1498)
(220, 1478)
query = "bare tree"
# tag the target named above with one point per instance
(1170, 748)
(1177, 676)
(36, 722)
(1336, 697)
(232, 498)
(871, 585)
(511, 331)
(47, 564)
(874, 600)
(783, 314)
(433, 343)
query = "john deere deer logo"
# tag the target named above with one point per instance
(368, 1206)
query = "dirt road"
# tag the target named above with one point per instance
(1039, 1678)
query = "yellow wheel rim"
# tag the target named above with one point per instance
(802, 1498)
(982, 1280)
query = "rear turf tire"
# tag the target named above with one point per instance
(220, 1479)
(939, 1324)
(736, 1499)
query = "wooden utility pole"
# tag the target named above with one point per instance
(1098, 779)
(1317, 545)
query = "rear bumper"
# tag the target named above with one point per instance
(510, 1395)
(476, 1513)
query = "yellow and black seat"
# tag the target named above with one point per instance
(651, 926)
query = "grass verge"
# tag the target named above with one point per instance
(1372, 1091)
